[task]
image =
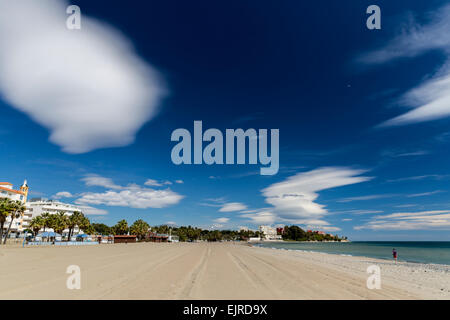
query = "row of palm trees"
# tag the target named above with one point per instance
(9, 208)
(60, 221)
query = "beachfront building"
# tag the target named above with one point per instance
(269, 233)
(7, 191)
(124, 238)
(38, 206)
(34, 208)
(156, 237)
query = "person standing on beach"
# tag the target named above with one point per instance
(394, 254)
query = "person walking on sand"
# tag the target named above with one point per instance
(394, 254)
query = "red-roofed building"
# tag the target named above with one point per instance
(7, 191)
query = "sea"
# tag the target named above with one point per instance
(435, 252)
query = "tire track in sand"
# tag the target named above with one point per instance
(194, 277)
(256, 281)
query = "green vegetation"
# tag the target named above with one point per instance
(103, 229)
(9, 208)
(76, 219)
(36, 224)
(121, 227)
(193, 234)
(139, 228)
(60, 221)
(295, 233)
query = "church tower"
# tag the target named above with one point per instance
(24, 188)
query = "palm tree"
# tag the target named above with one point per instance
(73, 221)
(89, 229)
(46, 219)
(139, 228)
(5, 211)
(17, 209)
(36, 224)
(121, 227)
(84, 224)
(59, 222)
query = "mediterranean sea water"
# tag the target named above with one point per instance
(422, 252)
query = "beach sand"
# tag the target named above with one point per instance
(208, 271)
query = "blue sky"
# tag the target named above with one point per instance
(363, 114)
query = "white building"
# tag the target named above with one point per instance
(7, 191)
(269, 233)
(37, 207)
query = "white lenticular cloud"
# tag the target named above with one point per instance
(295, 197)
(87, 86)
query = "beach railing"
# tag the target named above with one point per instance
(61, 243)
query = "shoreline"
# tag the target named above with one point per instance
(425, 280)
(401, 260)
(360, 256)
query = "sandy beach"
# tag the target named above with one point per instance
(209, 271)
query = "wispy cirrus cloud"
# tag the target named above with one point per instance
(424, 194)
(222, 220)
(88, 87)
(63, 194)
(367, 197)
(399, 154)
(91, 211)
(232, 207)
(361, 211)
(430, 100)
(99, 181)
(213, 202)
(262, 217)
(422, 220)
(415, 153)
(408, 205)
(422, 177)
(156, 183)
